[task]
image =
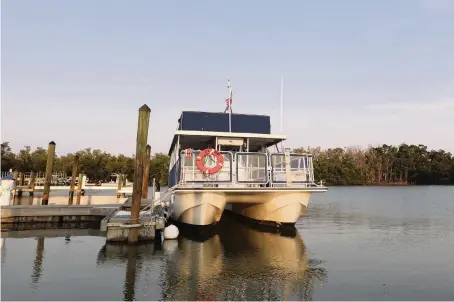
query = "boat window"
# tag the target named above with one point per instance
(232, 144)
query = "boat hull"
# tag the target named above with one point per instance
(275, 205)
(197, 207)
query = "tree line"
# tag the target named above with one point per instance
(382, 165)
(96, 164)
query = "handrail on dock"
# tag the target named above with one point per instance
(151, 206)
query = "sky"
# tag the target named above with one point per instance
(356, 73)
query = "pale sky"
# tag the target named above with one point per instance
(356, 72)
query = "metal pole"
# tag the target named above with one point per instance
(282, 103)
(229, 86)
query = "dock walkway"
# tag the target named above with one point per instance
(54, 213)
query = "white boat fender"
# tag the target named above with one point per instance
(171, 232)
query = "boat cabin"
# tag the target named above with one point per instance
(243, 141)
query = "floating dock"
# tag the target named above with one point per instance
(113, 220)
(151, 219)
(54, 213)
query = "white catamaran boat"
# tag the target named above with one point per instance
(222, 161)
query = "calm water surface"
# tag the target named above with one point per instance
(353, 244)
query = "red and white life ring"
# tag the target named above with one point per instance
(212, 152)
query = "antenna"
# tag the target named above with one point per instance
(282, 102)
(229, 104)
(282, 110)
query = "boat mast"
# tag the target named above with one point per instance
(282, 102)
(229, 104)
(282, 110)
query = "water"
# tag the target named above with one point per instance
(384, 243)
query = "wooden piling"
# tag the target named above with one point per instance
(146, 173)
(79, 185)
(15, 174)
(73, 179)
(21, 183)
(32, 183)
(30, 199)
(21, 178)
(120, 182)
(49, 166)
(141, 142)
(153, 187)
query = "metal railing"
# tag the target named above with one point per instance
(246, 169)
(251, 168)
(189, 173)
(300, 168)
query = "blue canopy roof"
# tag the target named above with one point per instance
(7, 177)
(219, 122)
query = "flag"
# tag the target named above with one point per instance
(228, 101)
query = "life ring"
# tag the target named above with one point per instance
(205, 153)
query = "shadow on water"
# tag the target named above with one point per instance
(234, 261)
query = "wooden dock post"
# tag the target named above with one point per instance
(15, 173)
(79, 185)
(120, 183)
(141, 142)
(73, 179)
(32, 183)
(21, 183)
(153, 187)
(49, 166)
(146, 173)
(78, 199)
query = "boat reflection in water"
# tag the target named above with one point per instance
(233, 262)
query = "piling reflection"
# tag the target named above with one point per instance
(235, 262)
(38, 263)
(133, 255)
(130, 277)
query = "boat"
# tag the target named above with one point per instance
(224, 161)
